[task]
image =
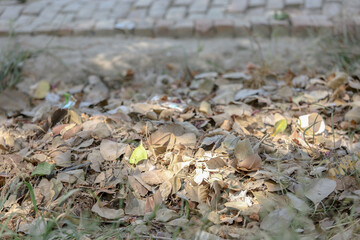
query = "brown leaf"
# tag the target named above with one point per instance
(165, 189)
(156, 177)
(137, 187)
(63, 159)
(107, 213)
(215, 163)
(250, 163)
(57, 116)
(72, 132)
(111, 150)
(338, 79)
(196, 193)
(243, 149)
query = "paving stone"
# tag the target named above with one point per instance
(137, 14)
(34, 8)
(101, 15)
(260, 26)
(63, 18)
(7, 2)
(216, 13)
(258, 11)
(163, 28)
(45, 28)
(356, 26)
(279, 28)
(144, 28)
(184, 28)
(106, 5)
(199, 6)
(158, 9)
(237, 6)
(195, 16)
(65, 29)
(303, 26)
(204, 28)
(292, 3)
(351, 3)
(50, 12)
(83, 27)
(241, 28)
(143, 3)
(346, 27)
(183, 2)
(72, 7)
(176, 13)
(332, 9)
(86, 12)
(313, 4)
(121, 10)
(23, 25)
(220, 2)
(61, 3)
(4, 27)
(11, 12)
(224, 27)
(104, 27)
(275, 4)
(125, 26)
(322, 24)
(256, 3)
(24, 20)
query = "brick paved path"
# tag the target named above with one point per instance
(180, 18)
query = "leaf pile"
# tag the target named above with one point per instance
(213, 157)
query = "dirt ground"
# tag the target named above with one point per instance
(136, 138)
(70, 59)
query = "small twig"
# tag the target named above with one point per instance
(76, 167)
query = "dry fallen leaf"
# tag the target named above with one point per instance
(111, 150)
(319, 189)
(42, 88)
(312, 124)
(156, 177)
(107, 213)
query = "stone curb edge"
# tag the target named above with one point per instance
(294, 26)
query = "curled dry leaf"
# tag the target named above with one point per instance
(63, 159)
(250, 163)
(337, 79)
(353, 115)
(111, 150)
(243, 149)
(107, 213)
(165, 215)
(156, 177)
(134, 206)
(277, 220)
(165, 189)
(137, 187)
(196, 193)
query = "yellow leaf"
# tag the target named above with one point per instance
(332, 172)
(41, 90)
(280, 126)
(138, 154)
(74, 117)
